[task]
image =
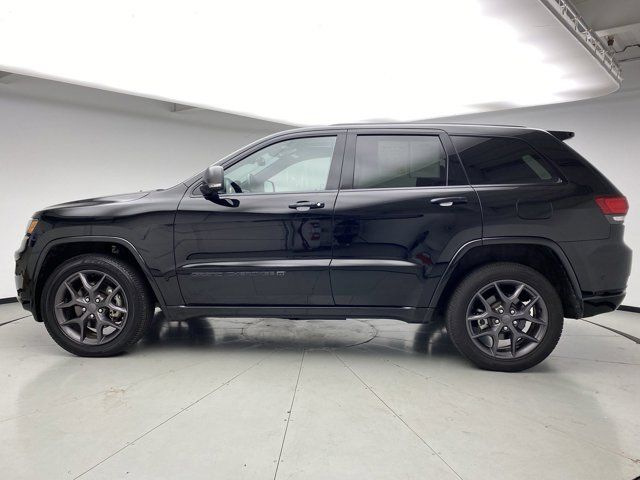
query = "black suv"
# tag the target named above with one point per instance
(500, 231)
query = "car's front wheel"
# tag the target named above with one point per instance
(505, 317)
(96, 305)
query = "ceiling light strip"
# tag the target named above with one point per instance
(567, 13)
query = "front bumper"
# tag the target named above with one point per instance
(23, 279)
(23, 294)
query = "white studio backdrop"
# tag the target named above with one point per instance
(61, 142)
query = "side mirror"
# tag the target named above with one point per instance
(213, 180)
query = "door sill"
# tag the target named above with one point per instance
(406, 314)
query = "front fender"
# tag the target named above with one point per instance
(120, 242)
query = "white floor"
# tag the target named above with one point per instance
(261, 398)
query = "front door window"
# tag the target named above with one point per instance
(297, 165)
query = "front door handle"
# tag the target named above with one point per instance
(449, 201)
(306, 206)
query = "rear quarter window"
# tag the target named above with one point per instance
(499, 160)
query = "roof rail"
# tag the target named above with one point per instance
(421, 123)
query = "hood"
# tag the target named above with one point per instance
(109, 199)
(99, 206)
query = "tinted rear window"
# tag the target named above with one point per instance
(494, 160)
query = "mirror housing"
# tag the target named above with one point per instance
(213, 180)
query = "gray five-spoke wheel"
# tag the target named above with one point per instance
(507, 319)
(91, 307)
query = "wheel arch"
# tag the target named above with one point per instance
(541, 254)
(58, 251)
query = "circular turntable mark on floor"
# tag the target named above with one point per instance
(309, 333)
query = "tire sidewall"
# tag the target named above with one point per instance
(457, 314)
(98, 263)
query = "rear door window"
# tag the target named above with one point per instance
(497, 160)
(397, 161)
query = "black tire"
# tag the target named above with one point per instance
(460, 304)
(140, 304)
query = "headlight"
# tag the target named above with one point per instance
(31, 226)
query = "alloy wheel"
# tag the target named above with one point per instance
(91, 307)
(507, 319)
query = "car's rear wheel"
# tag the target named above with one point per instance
(505, 316)
(96, 305)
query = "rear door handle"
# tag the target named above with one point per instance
(306, 206)
(449, 201)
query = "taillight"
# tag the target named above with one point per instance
(615, 208)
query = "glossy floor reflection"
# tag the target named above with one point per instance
(265, 398)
